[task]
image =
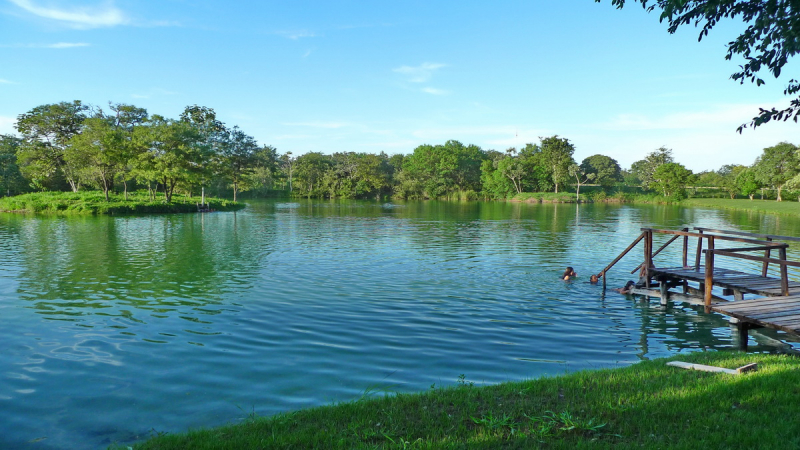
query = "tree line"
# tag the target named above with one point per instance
(70, 146)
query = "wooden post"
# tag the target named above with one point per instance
(648, 257)
(784, 273)
(664, 291)
(766, 264)
(709, 278)
(699, 252)
(603, 275)
(685, 248)
(743, 328)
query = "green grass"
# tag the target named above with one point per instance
(646, 405)
(547, 197)
(94, 202)
(786, 207)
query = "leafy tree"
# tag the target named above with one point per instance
(97, 153)
(671, 179)
(236, 158)
(556, 157)
(11, 179)
(309, 171)
(46, 131)
(440, 170)
(777, 165)
(605, 169)
(171, 155)
(768, 41)
(747, 182)
(727, 178)
(538, 176)
(581, 177)
(265, 170)
(125, 119)
(645, 168)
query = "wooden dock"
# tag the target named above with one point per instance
(779, 304)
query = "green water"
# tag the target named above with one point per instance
(116, 327)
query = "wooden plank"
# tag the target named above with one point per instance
(702, 367)
(734, 306)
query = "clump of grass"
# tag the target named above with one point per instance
(646, 405)
(94, 202)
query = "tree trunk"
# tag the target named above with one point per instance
(780, 186)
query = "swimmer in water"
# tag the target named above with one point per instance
(627, 289)
(569, 273)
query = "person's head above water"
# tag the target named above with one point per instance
(593, 279)
(569, 273)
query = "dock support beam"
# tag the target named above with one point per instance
(743, 327)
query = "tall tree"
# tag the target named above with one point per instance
(777, 165)
(727, 178)
(237, 158)
(581, 177)
(46, 131)
(97, 153)
(557, 158)
(748, 182)
(171, 154)
(645, 168)
(671, 179)
(606, 170)
(11, 179)
(770, 39)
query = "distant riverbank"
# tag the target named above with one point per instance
(94, 203)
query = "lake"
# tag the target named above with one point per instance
(116, 328)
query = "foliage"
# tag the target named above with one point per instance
(645, 168)
(671, 180)
(46, 131)
(580, 176)
(94, 202)
(777, 165)
(605, 169)
(11, 179)
(556, 155)
(747, 182)
(645, 405)
(767, 43)
(436, 171)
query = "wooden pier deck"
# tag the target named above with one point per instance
(777, 308)
(737, 282)
(779, 313)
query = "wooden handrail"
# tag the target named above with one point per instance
(781, 262)
(701, 235)
(768, 237)
(616, 260)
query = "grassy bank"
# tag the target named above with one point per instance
(647, 405)
(94, 202)
(547, 197)
(765, 206)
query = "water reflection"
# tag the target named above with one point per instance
(290, 304)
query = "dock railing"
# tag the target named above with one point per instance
(758, 242)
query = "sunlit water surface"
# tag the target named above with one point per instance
(114, 328)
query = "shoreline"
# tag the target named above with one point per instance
(647, 404)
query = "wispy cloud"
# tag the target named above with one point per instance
(77, 16)
(57, 45)
(434, 91)
(421, 73)
(3, 81)
(297, 34)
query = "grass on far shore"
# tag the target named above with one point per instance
(94, 202)
(646, 405)
(786, 207)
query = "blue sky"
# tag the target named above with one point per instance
(372, 76)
